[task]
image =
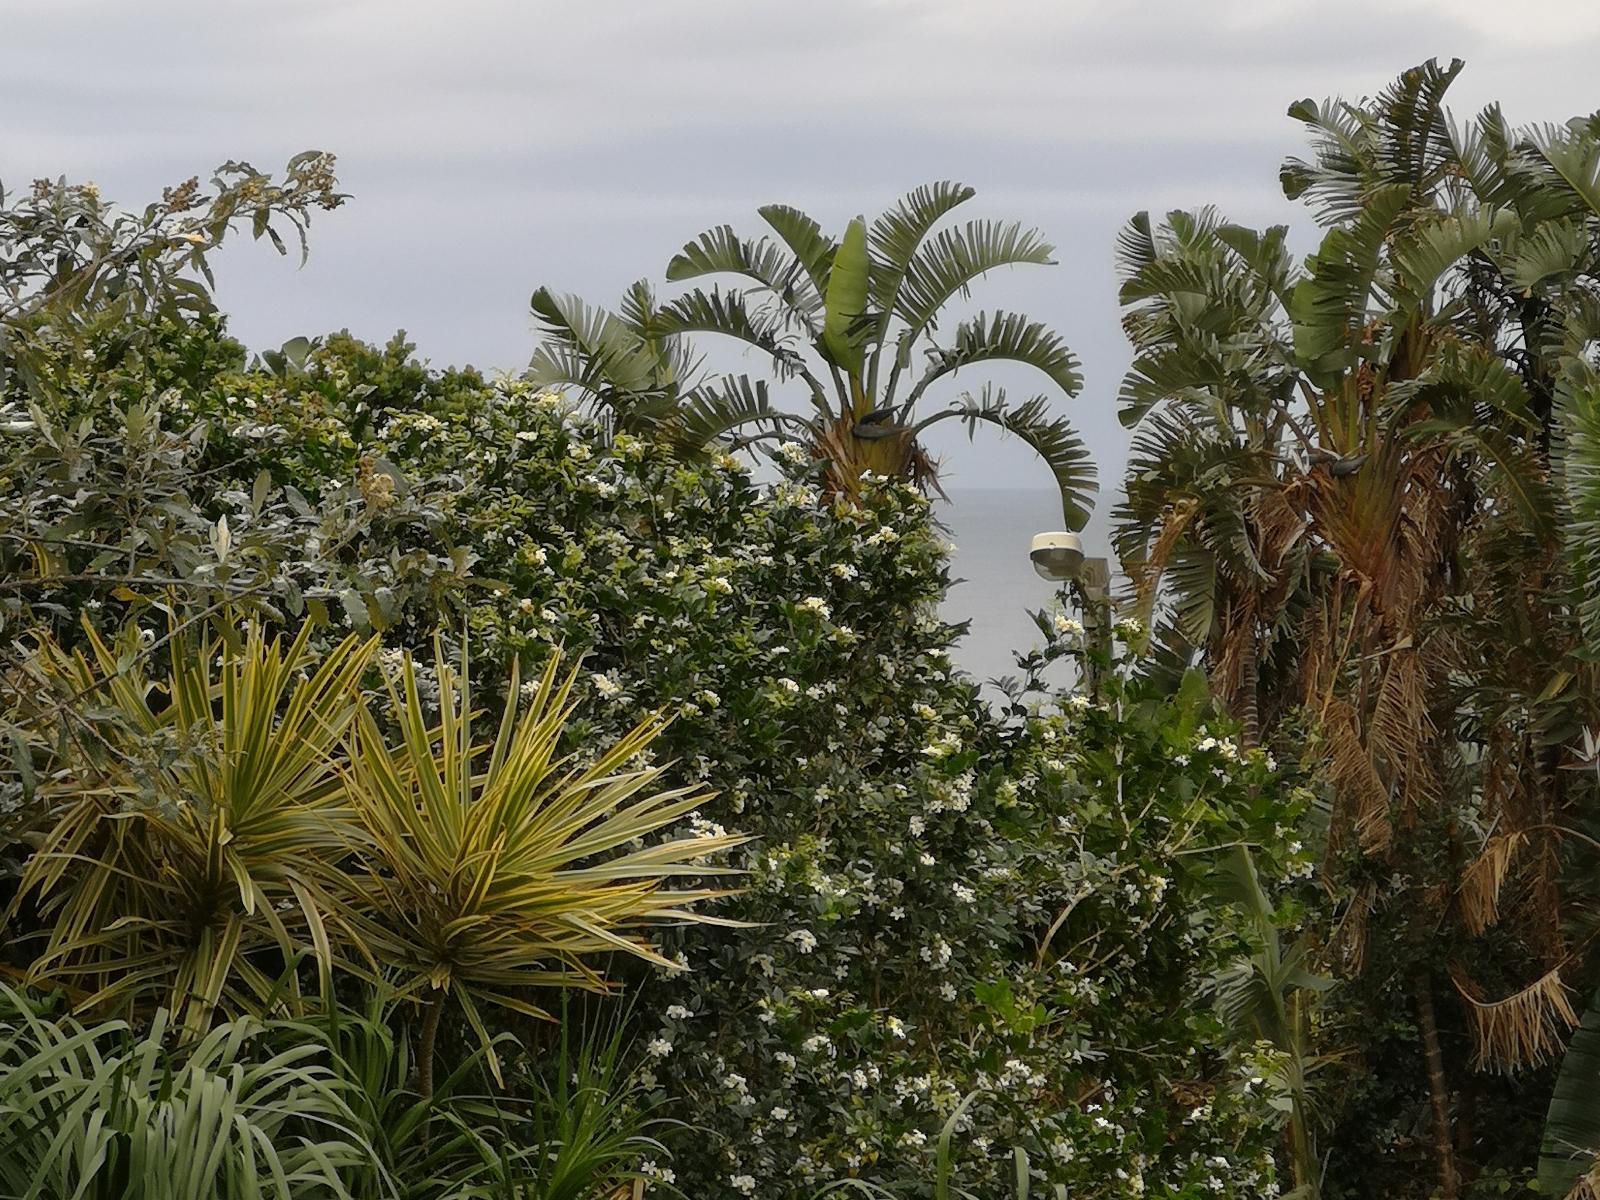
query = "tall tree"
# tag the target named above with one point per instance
(1347, 468)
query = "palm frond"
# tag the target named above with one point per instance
(717, 409)
(1053, 438)
(587, 347)
(947, 265)
(721, 250)
(812, 249)
(1002, 337)
(897, 234)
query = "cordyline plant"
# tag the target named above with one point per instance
(486, 870)
(203, 832)
(847, 319)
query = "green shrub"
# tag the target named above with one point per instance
(943, 903)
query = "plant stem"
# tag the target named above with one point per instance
(426, 1042)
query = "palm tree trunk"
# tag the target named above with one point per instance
(1438, 1090)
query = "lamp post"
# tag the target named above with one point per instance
(1058, 556)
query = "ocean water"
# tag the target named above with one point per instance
(992, 530)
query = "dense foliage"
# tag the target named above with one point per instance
(304, 823)
(1050, 872)
(1358, 495)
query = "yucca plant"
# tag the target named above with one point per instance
(98, 1112)
(191, 821)
(852, 321)
(487, 870)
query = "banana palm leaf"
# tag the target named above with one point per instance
(1571, 1145)
(812, 249)
(721, 250)
(846, 307)
(897, 234)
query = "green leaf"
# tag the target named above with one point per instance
(847, 300)
(585, 346)
(722, 250)
(1572, 1124)
(898, 233)
(714, 410)
(812, 248)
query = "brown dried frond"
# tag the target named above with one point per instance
(1587, 1188)
(1525, 1029)
(1400, 724)
(1147, 574)
(1481, 881)
(1347, 948)
(1360, 787)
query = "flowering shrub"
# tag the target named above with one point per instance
(1027, 915)
(939, 903)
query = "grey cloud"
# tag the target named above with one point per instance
(497, 145)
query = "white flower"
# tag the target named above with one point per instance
(913, 1137)
(789, 685)
(793, 453)
(926, 859)
(678, 1012)
(963, 893)
(658, 1048)
(815, 604)
(664, 1174)
(608, 687)
(917, 826)
(742, 1183)
(816, 1043)
(805, 941)
(947, 991)
(896, 1027)
(1066, 625)
(780, 1114)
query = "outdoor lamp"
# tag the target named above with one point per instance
(1057, 556)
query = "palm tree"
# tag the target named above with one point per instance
(852, 322)
(1208, 519)
(1360, 452)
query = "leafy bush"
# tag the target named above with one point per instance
(924, 876)
(318, 1108)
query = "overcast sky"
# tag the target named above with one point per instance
(494, 146)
